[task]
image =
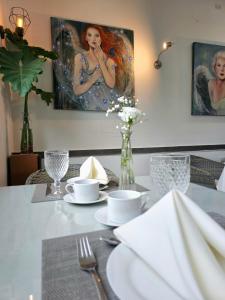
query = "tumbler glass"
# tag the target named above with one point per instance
(170, 171)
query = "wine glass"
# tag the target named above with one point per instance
(56, 164)
(170, 171)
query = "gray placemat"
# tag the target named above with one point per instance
(62, 278)
(42, 191)
(220, 219)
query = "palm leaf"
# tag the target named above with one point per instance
(45, 96)
(20, 69)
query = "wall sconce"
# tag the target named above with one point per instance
(19, 20)
(166, 46)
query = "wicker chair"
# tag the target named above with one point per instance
(204, 171)
(41, 176)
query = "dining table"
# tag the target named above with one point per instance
(24, 225)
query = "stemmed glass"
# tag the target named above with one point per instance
(56, 164)
(170, 171)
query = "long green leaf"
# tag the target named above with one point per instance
(37, 51)
(20, 69)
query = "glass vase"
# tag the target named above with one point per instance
(126, 162)
(26, 145)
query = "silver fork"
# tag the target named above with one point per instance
(88, 263)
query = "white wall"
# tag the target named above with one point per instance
(184, 22)
(6, 129)
(165, 94)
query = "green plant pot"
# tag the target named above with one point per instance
(26, 145)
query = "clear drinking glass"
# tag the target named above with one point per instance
(56, 164)
(170, 171)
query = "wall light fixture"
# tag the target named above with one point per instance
(166, 46)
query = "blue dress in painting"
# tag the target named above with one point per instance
(99, 96)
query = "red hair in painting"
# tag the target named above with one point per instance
(112, 45)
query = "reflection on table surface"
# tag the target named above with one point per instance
(23, 226)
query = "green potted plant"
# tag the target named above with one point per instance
(20, 65)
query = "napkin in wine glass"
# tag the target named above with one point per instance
(182, 244)
(93, 169)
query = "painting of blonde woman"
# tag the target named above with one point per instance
(208, 80)
(94, 65)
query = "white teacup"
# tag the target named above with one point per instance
(124, 205)
(73, 179)
(84, 190)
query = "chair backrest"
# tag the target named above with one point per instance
(204, 171)
(41, 176)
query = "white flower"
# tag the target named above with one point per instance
(127, 111)
(130, 115)
(121, 99)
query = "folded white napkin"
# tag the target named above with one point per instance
(92, 169)
(220, 184)
(182, 244)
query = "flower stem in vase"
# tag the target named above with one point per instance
(126, 163)
(129, 116)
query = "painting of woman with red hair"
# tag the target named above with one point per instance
(99, 62)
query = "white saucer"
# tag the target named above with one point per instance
(70, 199)
(101, 216)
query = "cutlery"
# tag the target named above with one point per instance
(101, 188)
(111, 241)
(88, 263)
